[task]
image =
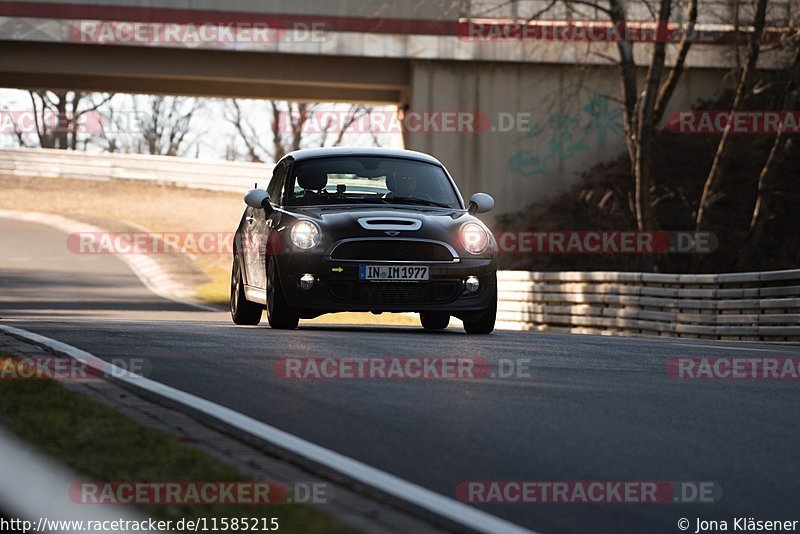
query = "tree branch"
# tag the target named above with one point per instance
(677, 69)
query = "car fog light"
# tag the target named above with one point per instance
(307, 281)
(472, 284)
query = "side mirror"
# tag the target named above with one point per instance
(258, 198)
(480, 203)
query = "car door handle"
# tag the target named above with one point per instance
(270, 223)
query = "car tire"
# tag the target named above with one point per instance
(434, 320)
(243, 312)
(279, 314)
(485, 324)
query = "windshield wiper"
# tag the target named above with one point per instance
(370, 200)
(420, 201)
(333, 199)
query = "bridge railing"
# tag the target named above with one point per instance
(757, 306)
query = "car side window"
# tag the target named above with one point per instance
(275, 187)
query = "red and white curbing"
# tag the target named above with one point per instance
(152, 275)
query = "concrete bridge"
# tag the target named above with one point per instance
(543, 120)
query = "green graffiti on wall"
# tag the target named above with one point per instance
(563, 136)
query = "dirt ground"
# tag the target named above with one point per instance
(122, 205)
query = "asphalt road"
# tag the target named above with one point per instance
(593, 408)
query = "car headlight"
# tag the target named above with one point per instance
(475, 238)
(305, 235)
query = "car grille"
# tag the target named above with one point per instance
(382, 293)
(391, 250)
(387, 294)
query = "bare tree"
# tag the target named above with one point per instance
(114, 133)
(780, 144)
(156, 125)
(61, 119)
(166, 124)
(643, 107)
(709, 194)
(291, 126)
(644, 104)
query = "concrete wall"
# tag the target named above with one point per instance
(575, 122)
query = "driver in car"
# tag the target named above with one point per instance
(402, 187)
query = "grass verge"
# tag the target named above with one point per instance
(105, 446)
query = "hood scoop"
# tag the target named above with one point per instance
(390, 223)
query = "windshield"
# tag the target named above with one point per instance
(370, 180)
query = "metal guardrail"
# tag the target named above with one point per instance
(760, 306)
(163, 170)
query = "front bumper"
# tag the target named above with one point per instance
(337, 288)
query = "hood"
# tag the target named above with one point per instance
(362, 221)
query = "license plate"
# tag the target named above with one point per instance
(394, 273)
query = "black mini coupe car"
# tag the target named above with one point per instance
(377, 230)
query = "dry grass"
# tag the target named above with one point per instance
(124, 205)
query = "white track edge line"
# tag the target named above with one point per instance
(407, 491)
